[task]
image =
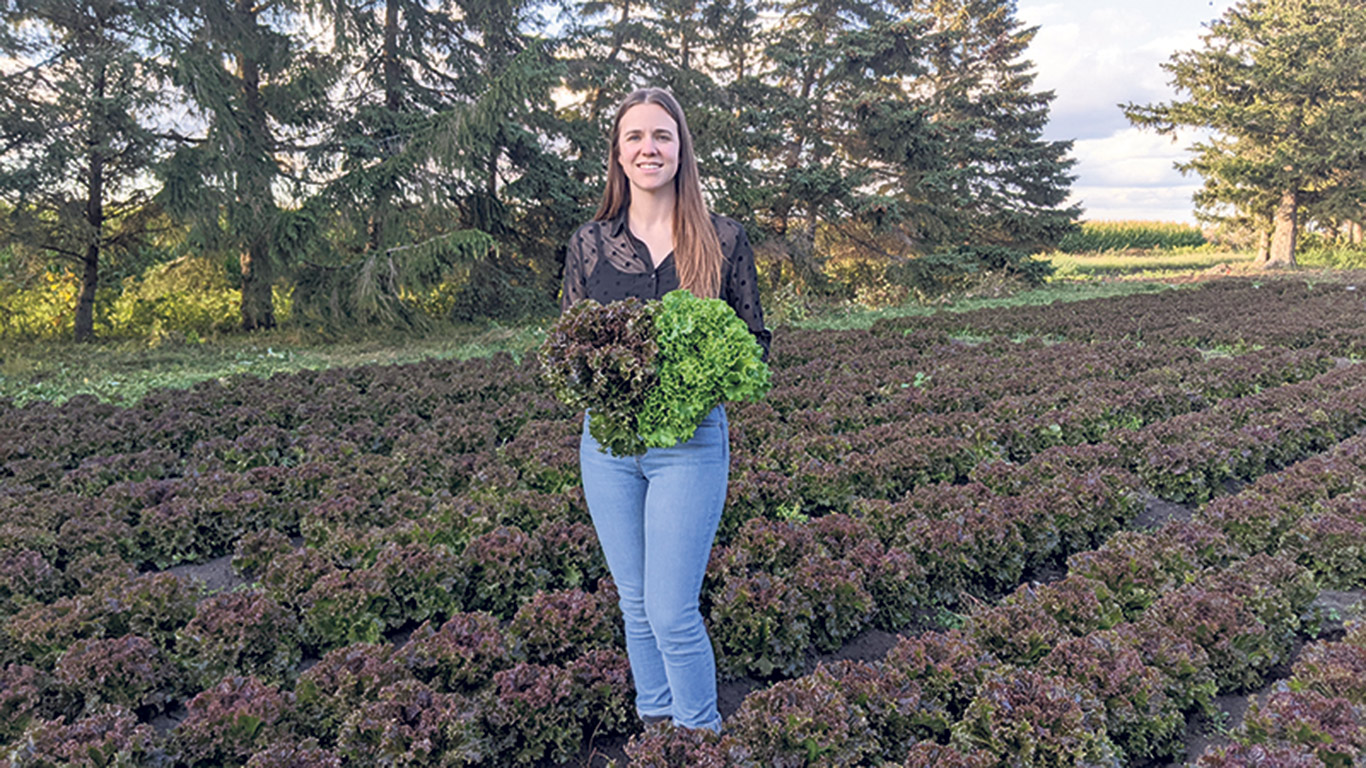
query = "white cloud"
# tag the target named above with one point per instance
(1130, 175)
(1133, 203)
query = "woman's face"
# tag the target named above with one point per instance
(647, 147)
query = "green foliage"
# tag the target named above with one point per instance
(78, 139)
(1278, 86)
(961, 267)
(188, 299)
(1330, 257)
(1124, 235)
(189, 295)
(384, 286)
(706, 356)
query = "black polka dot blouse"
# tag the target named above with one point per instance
(606, 263)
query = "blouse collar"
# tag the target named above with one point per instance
(617, 224)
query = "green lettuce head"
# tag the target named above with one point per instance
(706, 356)
(650, 371)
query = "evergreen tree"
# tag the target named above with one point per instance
(817, 81)
(508, 179)
(394, 232)
(77, 96)
(261, 91)
(1279, 83)
(998, 181)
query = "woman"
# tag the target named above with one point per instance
(656, 514)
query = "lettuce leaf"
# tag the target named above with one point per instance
(706, 356)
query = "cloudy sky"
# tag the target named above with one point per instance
(1095, 55)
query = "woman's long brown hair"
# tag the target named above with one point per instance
(697, 251)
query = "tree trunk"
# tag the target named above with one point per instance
(1263, 247)
(94, 219)
(393, 103)
(618, 39)
(393, 98)
(1284, 235)
(85, 305)
(258, 305)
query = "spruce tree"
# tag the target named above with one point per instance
(77, 99)
(1279, 84)
(260, 90)
(507, 178)
(998, 181)
(392, 231)
(815, 89)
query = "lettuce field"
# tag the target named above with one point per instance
(1041, 536)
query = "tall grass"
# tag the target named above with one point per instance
(1331, 257)
(1098, 236)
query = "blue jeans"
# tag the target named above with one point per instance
(656, 516)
